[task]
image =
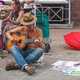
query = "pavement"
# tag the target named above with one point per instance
(44, 71)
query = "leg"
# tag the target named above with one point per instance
(34, 56)
(25, 53)
(43, 23)
(17, 54)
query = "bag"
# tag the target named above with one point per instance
(47, 47)
(72, 39)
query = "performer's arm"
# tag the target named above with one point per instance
(8, 33)
(21, 13)
(17, 28)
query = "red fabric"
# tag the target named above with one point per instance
(72, 39)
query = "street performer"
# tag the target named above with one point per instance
(30, 49)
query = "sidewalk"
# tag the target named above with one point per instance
(59, 51)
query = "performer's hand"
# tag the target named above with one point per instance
(38, 43)
(36, 40)
(11, 38)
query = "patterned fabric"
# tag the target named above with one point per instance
(7, 26)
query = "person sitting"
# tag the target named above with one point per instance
(25, 56)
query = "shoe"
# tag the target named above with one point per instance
(29, 69)
(11, 66)
(41, 59)
(47, 47)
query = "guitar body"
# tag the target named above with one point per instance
(10, 43)
(18, 40)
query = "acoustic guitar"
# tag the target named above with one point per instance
(18, 39)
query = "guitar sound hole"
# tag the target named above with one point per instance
(19, 41)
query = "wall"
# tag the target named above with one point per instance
(75, 9)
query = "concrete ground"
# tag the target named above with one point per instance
(59, 51)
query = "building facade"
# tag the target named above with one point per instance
(75, 10)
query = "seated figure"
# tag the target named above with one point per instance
(29, 49)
